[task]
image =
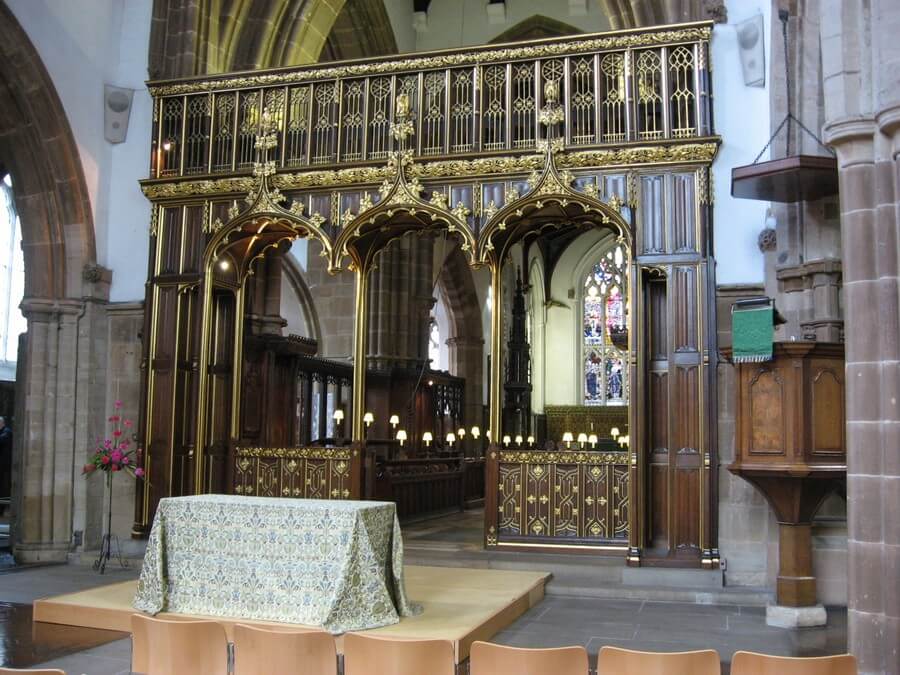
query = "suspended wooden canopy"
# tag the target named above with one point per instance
(791, 179)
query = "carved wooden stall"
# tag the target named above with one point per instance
(488, 144)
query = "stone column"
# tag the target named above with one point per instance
(61, 399)
(466, 357)
(867, 154)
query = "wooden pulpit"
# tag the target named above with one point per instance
(790, 444)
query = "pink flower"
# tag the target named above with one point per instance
(107, 444)
(125, 460)
(128, 423)
(116, 456)
(139, 472)
(125, 443)
(117, 433)
(105, 459)
(114, 418)
(118, 404)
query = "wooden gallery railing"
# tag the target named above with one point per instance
(558, 498)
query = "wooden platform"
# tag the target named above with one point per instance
(461, 605)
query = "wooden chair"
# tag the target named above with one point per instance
(367, 654)
(486, 658)
(750, 663)
(175, 647)
(32, 671)
(286, 651)
(615, 661)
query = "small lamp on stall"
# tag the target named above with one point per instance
(461, 433)
(488, 434)
(592, 439)
(614, 432)
(568, 438)
(427, 437)
(582, 439)
(401, 436)
(368, 418)
(531, 440)
(476, 432)
(506, 440)
(338, 419)
(451, 439)
(395, 420)
(519, 440)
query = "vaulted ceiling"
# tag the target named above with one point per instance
(194, 37)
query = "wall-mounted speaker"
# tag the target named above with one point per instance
(116, 111)
(752, 47)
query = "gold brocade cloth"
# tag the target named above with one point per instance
(329, 563)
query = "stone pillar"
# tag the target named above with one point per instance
(466, 361)
(62, 410)
(401, 296)
(867, 154)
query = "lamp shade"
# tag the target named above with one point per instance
(461, 433)
(582, 437)
(506, 440)
(568, 437)
(531, 440)
(368, 418)
(614, 432)
(401, 436)
(395, 420)
(519, 439)
(476, 432)
(592, 439)
(451, 438)
(338, 414)
(427, 437)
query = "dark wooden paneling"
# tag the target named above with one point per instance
(684, 220)
(652, 210)
(687, 512)
(685, 308)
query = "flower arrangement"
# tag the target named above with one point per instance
(116, 453)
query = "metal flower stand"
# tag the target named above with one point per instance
(109, 547)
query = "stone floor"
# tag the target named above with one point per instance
(559, 620)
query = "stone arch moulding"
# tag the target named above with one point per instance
(39, 150)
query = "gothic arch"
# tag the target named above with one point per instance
(37, 147)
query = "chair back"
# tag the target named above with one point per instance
(615, 661)
(751, 663)
(367, 654)
(32, 671)
(286, 651)
(486, 658)
(175, 647)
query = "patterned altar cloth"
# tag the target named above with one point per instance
(330, 563)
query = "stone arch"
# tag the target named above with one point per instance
(37, 147)
(536, 27)
(466, 343)
(65, 294)
(295, 279)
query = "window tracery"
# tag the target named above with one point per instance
(605, 331)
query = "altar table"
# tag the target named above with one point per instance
(330, 563)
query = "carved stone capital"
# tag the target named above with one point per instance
(853, 139)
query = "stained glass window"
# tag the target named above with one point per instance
(605, 331)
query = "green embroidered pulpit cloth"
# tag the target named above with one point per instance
(330, 563)
(752, 331)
